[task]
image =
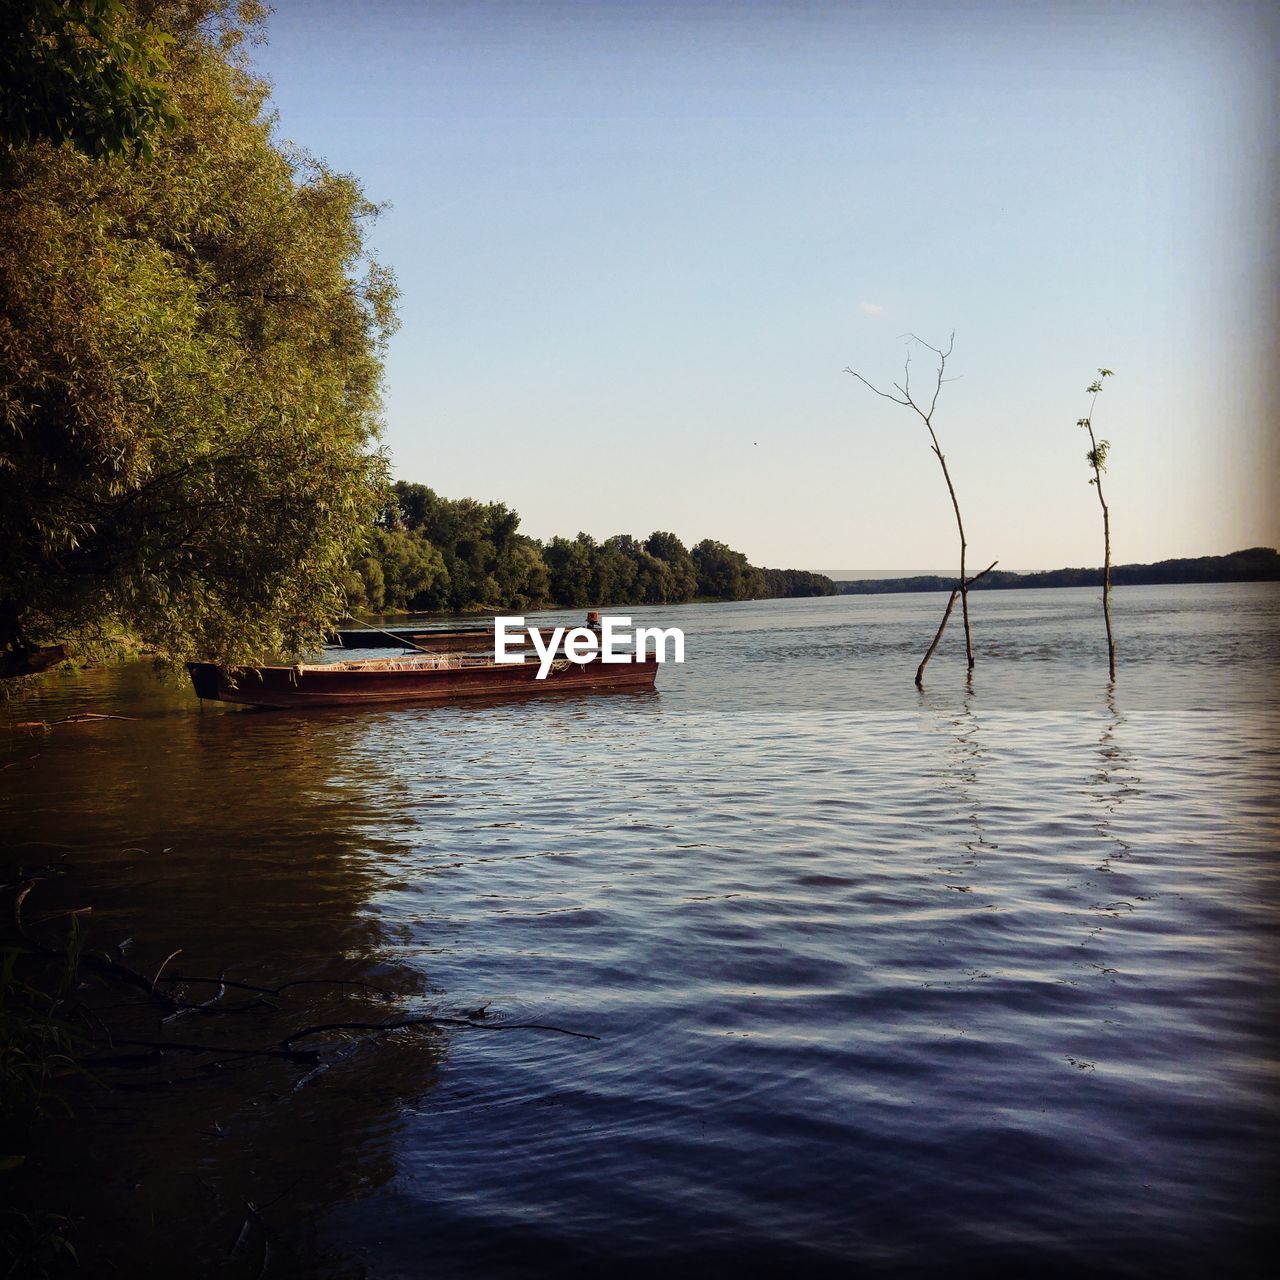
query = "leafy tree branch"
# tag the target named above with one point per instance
(1097, 460)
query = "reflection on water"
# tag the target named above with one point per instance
(977, 978)
(1113, 782)
(260, 859)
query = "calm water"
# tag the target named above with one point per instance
(889, 983)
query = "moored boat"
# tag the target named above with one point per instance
(422, 678)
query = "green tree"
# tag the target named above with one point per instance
(84, 72)
(569, 564)
(413, 570)
(366, 585)
(785, 583)
(723, 573)
(410, 505)
(654, 582)
(189, 379)
(490, 564)
(613, 570)
(681, 570)
(502, 524)
(485, 561)
(522, 576)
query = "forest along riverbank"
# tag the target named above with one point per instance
(849, 949)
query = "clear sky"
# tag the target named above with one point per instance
(638, 243)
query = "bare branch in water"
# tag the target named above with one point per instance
(908, 401)
(429, 1021)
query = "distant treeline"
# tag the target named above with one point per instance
(433, 553)
(1258, 564)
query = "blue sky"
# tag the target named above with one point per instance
(638, 243)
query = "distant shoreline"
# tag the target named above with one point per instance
(1258, 564)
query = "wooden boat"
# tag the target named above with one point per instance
(420, 678)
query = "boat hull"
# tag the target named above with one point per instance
(318, 686)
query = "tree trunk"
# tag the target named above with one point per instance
(1106, 587)
(964, 547)
(27, 662)
(1106, 540)
(960, 589)
(18, 657)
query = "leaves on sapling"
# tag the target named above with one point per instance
(1097, 456)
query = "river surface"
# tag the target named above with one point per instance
(974, 980)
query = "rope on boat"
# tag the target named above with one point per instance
(400, 640)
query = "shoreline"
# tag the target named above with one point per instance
(1256, 564)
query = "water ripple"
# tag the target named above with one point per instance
(969, 980)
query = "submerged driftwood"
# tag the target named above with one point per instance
(169, 993)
